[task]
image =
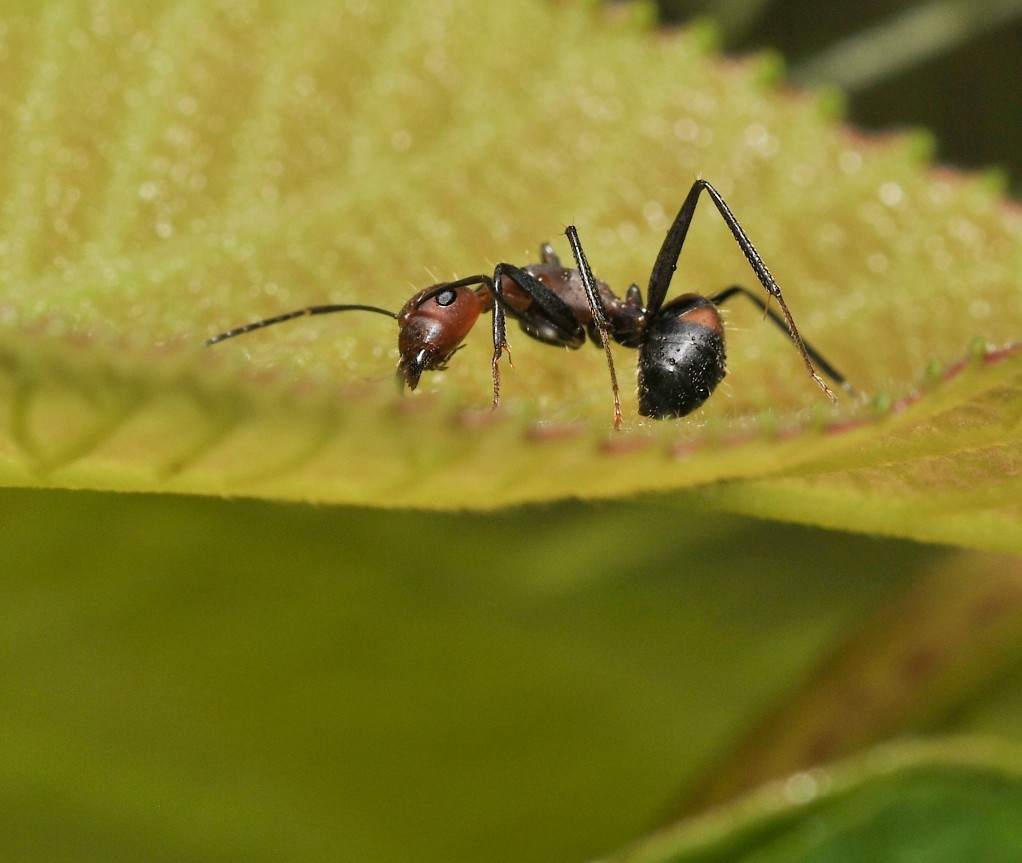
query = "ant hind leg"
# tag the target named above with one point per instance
(818, 361)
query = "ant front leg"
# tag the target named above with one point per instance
(500, 344)
(667, 262)
(536, 306)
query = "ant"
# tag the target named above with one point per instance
(680, 343)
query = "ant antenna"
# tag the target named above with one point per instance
(299, 313)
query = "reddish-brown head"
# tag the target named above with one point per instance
(432, 326)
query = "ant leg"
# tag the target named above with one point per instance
(814, 354)
(499, 343)
(667, 262)
(599, 313)
(547, 255)
(548, 307)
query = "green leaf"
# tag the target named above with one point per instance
(944, 802)
(198, 679)
(175, 169)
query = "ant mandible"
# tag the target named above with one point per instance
(680, 343)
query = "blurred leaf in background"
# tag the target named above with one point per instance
(942, 65)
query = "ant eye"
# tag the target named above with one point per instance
(445, 298)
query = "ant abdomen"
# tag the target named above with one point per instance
(681, 360)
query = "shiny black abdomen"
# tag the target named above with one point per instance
(680, 363)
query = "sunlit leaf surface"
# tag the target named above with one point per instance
(172, 170)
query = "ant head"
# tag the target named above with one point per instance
(433, 324)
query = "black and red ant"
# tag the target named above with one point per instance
(680, 343)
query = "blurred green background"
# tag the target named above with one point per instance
(190, 679)
(949, 66)
(239, 680)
